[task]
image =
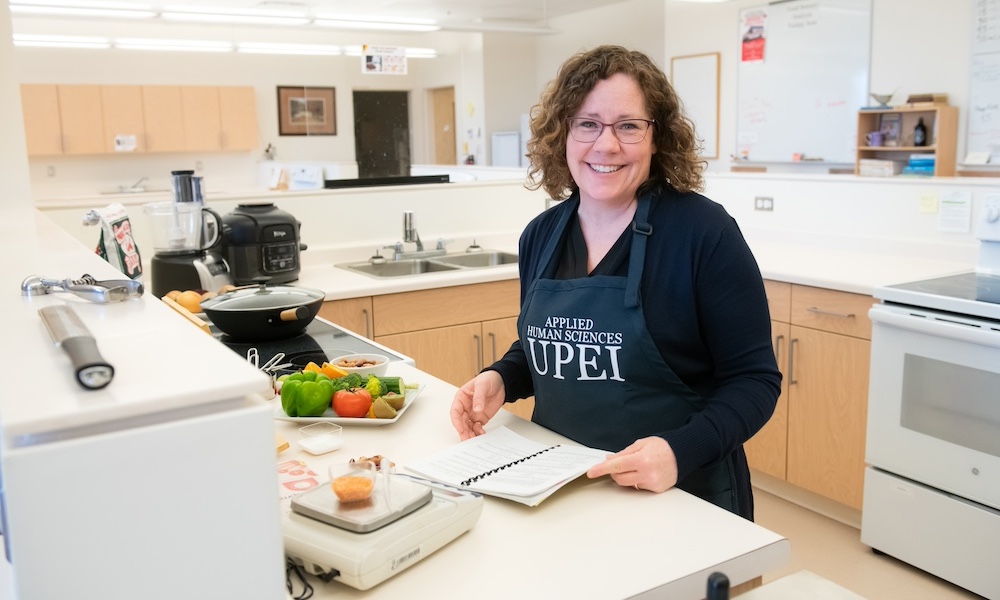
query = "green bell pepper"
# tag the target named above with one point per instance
(306, 396)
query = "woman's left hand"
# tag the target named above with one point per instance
(647, 464)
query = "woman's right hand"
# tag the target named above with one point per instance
(476, 402)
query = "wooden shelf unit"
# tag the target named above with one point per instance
(942, 131)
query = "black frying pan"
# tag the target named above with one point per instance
(264, 312)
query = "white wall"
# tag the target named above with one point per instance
(12, 149)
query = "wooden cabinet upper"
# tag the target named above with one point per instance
(42, 131)
(162, 118)
(87, 119)
(121, 107)
(82, 120)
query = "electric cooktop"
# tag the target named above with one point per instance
(320, 342)
(971, 293)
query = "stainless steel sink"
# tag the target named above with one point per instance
(486, 258)
(437, 264)
(399, 268)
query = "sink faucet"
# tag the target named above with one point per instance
(410, 232)
(411, 236)
(135, 187)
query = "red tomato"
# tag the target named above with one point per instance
(352, 403)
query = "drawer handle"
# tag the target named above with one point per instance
(778, 341)
(368, 323)
(479, 353)
(493, 346)
(791, 361)
(830, 313)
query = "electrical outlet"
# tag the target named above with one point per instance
(50, 171)
(763, 203)
(197, 165)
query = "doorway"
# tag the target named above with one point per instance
(443, 100)
(382, 134)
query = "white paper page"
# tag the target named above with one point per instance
(499, 447)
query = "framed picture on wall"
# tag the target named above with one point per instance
(307, 111)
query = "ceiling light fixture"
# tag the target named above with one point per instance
(208, 14)
(298, 49)
(67, 8)
(172, 45)
(60, 41)
(375, 23)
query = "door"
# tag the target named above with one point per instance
(382, 134)
(42, 132)
(80, 116)
(443, 100)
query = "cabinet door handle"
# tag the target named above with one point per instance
(368, 323)
(777, 347)
(791, 361)
(829, 313)
(479, 353)
(493, 347)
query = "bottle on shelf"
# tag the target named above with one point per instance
(920, 133)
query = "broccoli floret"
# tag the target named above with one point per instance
(375, 386)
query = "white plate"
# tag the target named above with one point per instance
(331, 417)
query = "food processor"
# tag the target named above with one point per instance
(184, 232)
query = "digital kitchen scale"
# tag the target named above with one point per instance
(363, 544)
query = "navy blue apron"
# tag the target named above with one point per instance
(598, 376)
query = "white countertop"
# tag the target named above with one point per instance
(592, 539)
(161, 362)
(855, 270)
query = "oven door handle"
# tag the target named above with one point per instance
(940, 327)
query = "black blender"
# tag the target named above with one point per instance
(184, 232)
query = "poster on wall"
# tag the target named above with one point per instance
(383, 60)
(754, 32)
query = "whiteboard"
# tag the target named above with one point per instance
(696, 80)
(983, 134)
(803, 75)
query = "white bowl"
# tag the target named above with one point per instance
(378, 369)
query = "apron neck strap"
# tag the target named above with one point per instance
(641, 230)
(549, 251)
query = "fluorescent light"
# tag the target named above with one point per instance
(299, 49)
(71, 8)
(172, 45)
(421, 53)
(224, 15)
(375, 23)
(60, 41)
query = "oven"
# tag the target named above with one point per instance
(932, 484)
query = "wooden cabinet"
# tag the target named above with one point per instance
(81, 118)
(122, 111)
(442, 328)
(353, 314)
(40, 108)
(202, 121)
(238, 118)
(85, 119)
(162, 118)
(942, 133)
(816, 440)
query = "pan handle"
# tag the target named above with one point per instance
(298, 313)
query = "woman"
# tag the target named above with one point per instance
(644, 328)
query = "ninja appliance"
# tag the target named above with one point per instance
(261, 244)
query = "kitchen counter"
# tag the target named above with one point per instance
(591, 539)
(601, 541)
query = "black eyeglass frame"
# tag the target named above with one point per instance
(614, 132)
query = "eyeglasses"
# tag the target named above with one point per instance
(628, 131)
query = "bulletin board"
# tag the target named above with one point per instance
(696, 80)
(803, 75)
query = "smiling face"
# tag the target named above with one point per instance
(606, 170)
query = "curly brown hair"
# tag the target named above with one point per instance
(676, 159)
